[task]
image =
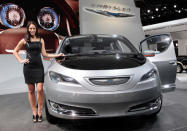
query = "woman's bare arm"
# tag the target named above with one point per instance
(45, 54)
(20, 44)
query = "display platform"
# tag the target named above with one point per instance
(15, 114)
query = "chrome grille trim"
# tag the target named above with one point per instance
(109, 81)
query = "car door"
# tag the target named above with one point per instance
(159, 49)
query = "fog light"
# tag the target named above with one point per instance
(154, 105)
(70, 110)
(151, 105)
(54, 105)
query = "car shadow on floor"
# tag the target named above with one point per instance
(122, 123)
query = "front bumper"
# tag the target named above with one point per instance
(78, 103)
(72, 112)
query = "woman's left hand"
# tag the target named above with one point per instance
(60, 57)
(60, 54)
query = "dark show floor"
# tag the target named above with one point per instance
(15, 114)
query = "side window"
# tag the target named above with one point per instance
(157, 44)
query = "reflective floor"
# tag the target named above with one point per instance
(15, 114)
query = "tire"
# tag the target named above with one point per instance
(51, 119)
(179, 68)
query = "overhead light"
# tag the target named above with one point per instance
(179, 11)
(148, 11)
(152, 17)
(156, 9)
(175, 6)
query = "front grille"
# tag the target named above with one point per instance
(109, 81)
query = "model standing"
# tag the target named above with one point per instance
(33, 67)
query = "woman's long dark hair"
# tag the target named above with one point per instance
(28, 35)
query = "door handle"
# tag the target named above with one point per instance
(173, 62)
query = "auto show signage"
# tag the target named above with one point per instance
(119, 17)
(110, 10)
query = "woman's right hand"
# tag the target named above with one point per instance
(25, 61)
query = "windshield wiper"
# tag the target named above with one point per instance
(97, 52)
(78, 54)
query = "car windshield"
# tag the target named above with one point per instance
(97, 44)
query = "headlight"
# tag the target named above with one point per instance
(55, 77)
(151, 74)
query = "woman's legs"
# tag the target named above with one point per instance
(31, 94)
(40, 97)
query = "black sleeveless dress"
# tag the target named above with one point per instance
(34, 70)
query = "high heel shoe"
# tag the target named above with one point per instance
(34, 118)
(40, 118)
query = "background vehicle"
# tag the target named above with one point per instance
(181, 64)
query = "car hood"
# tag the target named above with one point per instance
(103, 62)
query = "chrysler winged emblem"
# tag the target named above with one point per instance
(108, 13)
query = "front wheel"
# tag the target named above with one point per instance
(179, 68)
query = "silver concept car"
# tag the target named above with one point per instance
(105, 76)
